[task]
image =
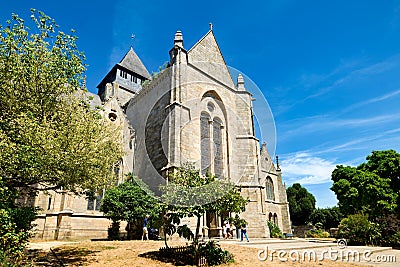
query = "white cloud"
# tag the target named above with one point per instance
(340, 76)
(325, 123)
(371, 101)
(304, 168)
(370, 142)
(116, 56)
(373, 69)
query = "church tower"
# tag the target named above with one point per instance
(124, 80)
(122, 83)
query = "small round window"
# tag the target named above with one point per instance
(112, 116)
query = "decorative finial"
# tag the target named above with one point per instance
(264, 146)
(210, 26)
(178, 40)
(240, 82)
(132, 38)
(278, 168)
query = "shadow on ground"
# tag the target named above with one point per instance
(181, 259)
(63, 256)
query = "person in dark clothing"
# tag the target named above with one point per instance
(244, 233)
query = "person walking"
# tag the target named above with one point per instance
(243, 233)
(228, 231)
(224, 230)
(145, 230)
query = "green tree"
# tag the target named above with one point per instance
(190, 194)
(327, 217)
(50, 138)
(130, 201)
(372, 189)
(385, 164)
(363, 189)
(301, 204)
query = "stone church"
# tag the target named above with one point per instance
(191, 111)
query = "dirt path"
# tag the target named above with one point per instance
(127, 253)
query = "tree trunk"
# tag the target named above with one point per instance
(165, 230)
(113, 231)
(129, 232)
(165, 241)
(196, 237)
(196, 242)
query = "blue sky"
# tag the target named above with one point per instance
(330, 70)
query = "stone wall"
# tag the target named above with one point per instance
(300, 231)
(70, 226)
(147, 113)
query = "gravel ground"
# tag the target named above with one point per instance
(128, 253)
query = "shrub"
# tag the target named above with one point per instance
(394, 240)
(325, 234)
(214, 254)
(12, 241)
(317, 233)
(358, 230)
(15, 227)
(113, 231)
(274, 230)
(390, 229)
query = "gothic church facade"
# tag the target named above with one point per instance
(191, 111)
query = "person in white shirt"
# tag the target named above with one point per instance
(224, 230)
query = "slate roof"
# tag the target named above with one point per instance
(132, 62)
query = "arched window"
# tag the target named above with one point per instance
(117, 171)
(269, 188)
(130, 144)
(94, 202)
(217, 140)
(270, 217)
(212, 121)
(205, 142)
(275, 219)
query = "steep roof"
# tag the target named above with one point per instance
(132, 62)
(207, 56)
